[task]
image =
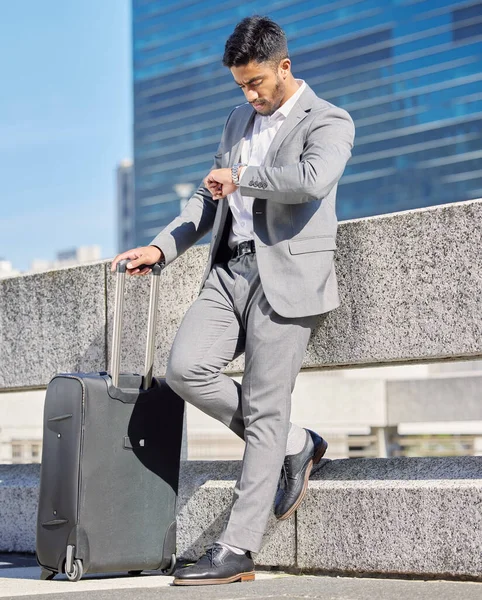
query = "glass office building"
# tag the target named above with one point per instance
(126, 208)
(408, 71)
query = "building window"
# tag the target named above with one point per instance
(17, 452)
(35, 451)
(26, 451)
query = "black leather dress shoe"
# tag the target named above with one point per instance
(217, 565)
(295, 473)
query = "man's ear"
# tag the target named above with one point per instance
(285, 67)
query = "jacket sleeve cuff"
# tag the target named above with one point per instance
(251, 185)
(167, 245)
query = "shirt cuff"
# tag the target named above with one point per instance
(241, 171)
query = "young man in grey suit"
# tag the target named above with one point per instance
(270, 201)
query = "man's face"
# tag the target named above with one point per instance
(263, 85)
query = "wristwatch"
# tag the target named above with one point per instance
(235, 172)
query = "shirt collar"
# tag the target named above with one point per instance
(284, 110)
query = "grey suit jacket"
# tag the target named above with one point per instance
(294, 218)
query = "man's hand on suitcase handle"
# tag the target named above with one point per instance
(140, 259)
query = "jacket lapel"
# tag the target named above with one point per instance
(299, 112)
(243, 126)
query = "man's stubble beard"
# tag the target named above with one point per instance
(279, 92)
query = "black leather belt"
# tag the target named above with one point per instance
(246, 247)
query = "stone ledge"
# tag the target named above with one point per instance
(19, 490)
(409, 286)
(411, 516)
(52, 322)
(404, 516)
(410, 289)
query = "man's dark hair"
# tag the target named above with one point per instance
(255, 39)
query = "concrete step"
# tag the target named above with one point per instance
(404, 516)
(413, 516)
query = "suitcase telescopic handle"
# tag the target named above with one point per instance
(118, 319)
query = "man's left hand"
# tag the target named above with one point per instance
(220, 183)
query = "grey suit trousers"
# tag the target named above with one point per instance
(232, 315)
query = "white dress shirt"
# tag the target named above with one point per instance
(253, 152)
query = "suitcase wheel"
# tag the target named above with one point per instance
(46, 574)
(77, 571)
(171, 568)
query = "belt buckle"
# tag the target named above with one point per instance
(243, 248)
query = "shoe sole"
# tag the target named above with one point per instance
(239, 577)
(314, 461)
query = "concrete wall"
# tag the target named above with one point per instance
(410, 287)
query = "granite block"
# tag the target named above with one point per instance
(410, 289)
(51, 322)
(409, 285)
(19, 490)
(206, 489)
(417, 516)
(434, 400)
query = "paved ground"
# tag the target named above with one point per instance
(19, 579)
(7, 561)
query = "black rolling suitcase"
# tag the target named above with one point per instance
(110, 466)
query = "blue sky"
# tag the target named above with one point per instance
(65, 123)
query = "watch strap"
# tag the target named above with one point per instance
(235, 172)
